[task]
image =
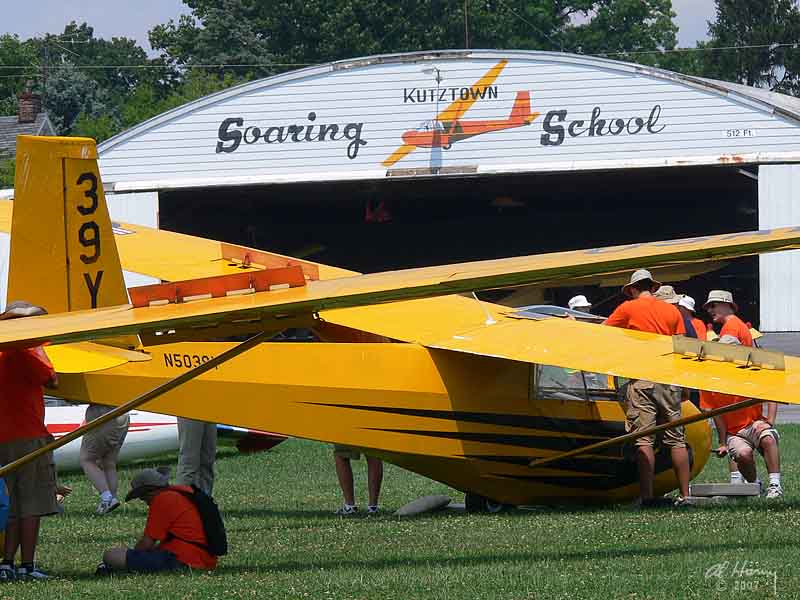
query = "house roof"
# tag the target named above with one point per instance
(10, 128)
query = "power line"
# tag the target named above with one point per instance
(267, 65)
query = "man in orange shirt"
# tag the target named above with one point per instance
(646, 402)
(742, 431)
(173, 538)
(32, 488)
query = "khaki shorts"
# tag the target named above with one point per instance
(32, 488)
(648, 404)
(104, 442)
(750, 438)
(346, 452)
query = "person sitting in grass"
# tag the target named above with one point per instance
(174, 537)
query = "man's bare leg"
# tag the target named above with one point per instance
(116, 558)
(12, 540)
(646, 460)
(746, 464)
(94, 473)
(680, 464)
(28, 536)
(771, 454)
(344, 471)
(374, 479)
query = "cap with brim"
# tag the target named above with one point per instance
(730, 339)
(722, 296)
(667, 294)
(147, 481)
(687, 302)
(636, 277)
(577, 302)
(19, 309)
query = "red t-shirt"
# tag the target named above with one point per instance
(736, 327)
(23, 374)
(174, 516)
(647, 313)
(736, 420)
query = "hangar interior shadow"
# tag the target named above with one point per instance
(400, 223)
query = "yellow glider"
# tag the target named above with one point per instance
(462, 399)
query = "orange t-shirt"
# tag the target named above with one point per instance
(736, 420)
(736, 327)
(739, 419)
(700, 329)
(23, 374)
(647, 313)
(173, 516)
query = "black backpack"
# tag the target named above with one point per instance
(213, 527)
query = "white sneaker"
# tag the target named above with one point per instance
(347, 511)
(106, 506)
(34, 574)
(7, 574)
(774, 491)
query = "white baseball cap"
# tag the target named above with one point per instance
(687, 302)
(578, 302)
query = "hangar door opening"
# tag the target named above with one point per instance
(391, 224)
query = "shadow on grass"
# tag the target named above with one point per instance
(533, 556)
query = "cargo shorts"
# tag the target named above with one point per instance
(648, 404)
(105, 442)
(750, 438)
(346, 452)
(31, 488)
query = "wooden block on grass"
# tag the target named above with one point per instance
(725, 489)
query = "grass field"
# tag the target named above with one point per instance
(286, 543)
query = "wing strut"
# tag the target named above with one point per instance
(539, 462)
(139, 400)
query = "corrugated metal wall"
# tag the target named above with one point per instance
(778, 206)
(329, 123)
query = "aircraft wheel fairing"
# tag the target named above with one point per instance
(475, 503)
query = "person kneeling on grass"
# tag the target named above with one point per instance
(177, 532)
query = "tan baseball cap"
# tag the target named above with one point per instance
(19, 309)
(667, 294)
(721, 296)
(636, 277)
(146, 481)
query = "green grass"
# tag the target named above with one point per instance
(286, 543)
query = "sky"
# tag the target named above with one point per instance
(135, 18)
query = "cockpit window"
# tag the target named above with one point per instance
(430, 126)
(558, 383)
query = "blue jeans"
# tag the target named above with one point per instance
(152, 561)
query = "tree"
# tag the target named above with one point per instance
(277, 35)
(18, 64)
(7, 169)
(70, 92)
(767, 24)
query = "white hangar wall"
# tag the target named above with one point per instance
(779, 274)
(348, 120)
(345, 120)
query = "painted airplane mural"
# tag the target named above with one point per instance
(448, 127)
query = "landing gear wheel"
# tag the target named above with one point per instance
(447, 146)
(475, 503)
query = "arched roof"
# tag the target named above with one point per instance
(118, 158)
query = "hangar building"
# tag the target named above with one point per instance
(414, 159)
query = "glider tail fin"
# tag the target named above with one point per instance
(521, 112)
(63, 253)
